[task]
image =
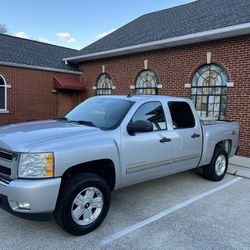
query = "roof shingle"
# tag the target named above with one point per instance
(197, 16)
(34, 53)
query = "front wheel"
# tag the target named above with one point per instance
(217, 168)
(83, 203)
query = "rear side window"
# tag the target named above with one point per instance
(182, 115)
(153, 112)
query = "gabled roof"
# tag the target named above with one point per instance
(19, 51)
(197, 17)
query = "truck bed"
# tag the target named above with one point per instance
(219, 131)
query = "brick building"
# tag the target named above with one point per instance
(34, 81)
(199, 50)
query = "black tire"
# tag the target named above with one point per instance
(209, 171)
(69, 191)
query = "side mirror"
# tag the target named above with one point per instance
(140, 126)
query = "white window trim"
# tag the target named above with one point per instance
(6, 87)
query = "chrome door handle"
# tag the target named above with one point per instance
(164, 139)
(195, 135)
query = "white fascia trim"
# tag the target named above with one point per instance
(226, 32)
(19, 65)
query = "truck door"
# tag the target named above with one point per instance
(187, 142)
(146, 155)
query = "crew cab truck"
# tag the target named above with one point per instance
(68, 167)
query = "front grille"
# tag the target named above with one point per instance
(8, 164)
(6, 156)
(4, 170)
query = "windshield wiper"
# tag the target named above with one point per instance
(87, 123)
(63, 119)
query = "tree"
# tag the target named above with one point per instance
(3, 29)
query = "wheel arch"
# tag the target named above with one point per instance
(104, 168)
(210, 147)
(224, 144)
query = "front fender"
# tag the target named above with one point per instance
(77, 152)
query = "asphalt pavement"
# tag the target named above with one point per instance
(183, 211)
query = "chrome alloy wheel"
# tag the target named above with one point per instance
(87, 206)
(220, 165)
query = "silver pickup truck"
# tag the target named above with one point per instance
(69, 166)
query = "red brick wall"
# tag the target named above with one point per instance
(30, 96)
(175, 67)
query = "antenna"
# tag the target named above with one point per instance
(129, 95)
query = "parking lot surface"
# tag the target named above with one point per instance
(183, 211)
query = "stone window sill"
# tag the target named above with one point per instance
(4, 111)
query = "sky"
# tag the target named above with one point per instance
(76, 23)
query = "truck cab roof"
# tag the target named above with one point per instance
(143, 98)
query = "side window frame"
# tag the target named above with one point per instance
(163, 111)
(192, 111)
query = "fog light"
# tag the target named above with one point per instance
(23, 205)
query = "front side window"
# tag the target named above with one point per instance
(152, 112)
(209, 91)
(182, 115)
(146, 83)
(104, 113)
(3, 94)
(104, 85)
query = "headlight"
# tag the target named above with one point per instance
(36, 165)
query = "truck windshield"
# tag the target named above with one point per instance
(103, 113)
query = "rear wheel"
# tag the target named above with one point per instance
(83, 204)
(217, 168)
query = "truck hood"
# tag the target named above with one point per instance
(22, 137)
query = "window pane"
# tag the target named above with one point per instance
(218, 80)
(153, 112)
(223, 108)
(199, 91)
(182, 115)
(211, 107)
(195, 79)
(2, 98)
(224, 99)
(216, 68)
(224, 91)
(200, 81)
(1, 81)
(194, 99)
(216, 107)
(211, 99)
(217, 99)
(224, 79)
(198, 106)
(213, 74)
(203, 69)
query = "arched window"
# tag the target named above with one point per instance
(209, 91)
(3, 94)
(146, 83)
(104, 85)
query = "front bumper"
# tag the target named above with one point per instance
(40, 194)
